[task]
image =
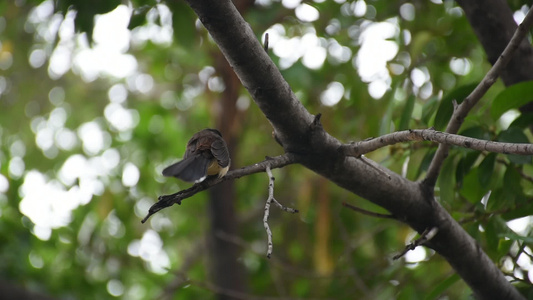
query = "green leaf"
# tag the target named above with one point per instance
(429, 109)
(512, 98)
(471, 188)
(477, 132)
(446, 181)
(516, 237)
(183, 23)
(512, 189)
(504, 246)
(464, 165)
(138, 16)
(86, 11)
(515, 135)
(408, 293)
(523, 121)
(445, 109)
(406, 114)
(385, 126)
(498, 199)
(442, 286)
(524, 211)
(491, 237)
(420, 40)
(426, 161)
(486, 168)
(84, 22)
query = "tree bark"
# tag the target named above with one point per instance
(300, 133)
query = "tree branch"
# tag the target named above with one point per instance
(359, 148)
(169, 200)
(461, 111)
(271, 199)
(301, 134)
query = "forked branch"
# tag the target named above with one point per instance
(267, 209)
(462, 110)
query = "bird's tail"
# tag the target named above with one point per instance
(193, 168)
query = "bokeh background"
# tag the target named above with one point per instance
(97, 97)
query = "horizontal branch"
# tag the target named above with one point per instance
(169, 200)
(359, 148)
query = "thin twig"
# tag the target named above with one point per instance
(485, 215)
(368, 213)
(370, 163)
(427, 235)
(169, 200)
(267, 209)
(359, 148)
(517, 168)
(462, 110)
(283, 207)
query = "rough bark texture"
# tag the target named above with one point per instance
(301, 134)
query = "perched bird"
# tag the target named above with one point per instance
(206, 154)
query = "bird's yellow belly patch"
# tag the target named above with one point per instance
(214, 169)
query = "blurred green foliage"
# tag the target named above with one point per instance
(103, 251)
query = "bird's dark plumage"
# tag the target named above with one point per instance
(206, 154)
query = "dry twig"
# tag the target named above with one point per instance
(267, 209)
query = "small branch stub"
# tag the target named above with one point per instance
(427, 235)
(265, 46)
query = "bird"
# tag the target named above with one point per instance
(206, 154)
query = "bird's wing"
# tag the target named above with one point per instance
(219, 149)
